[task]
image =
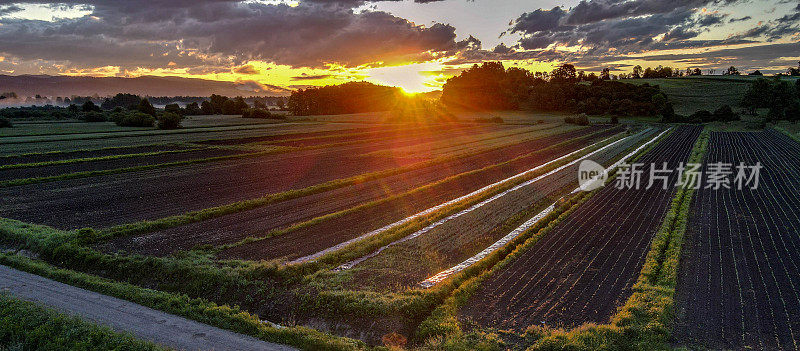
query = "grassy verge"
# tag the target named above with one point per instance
(27, 326)
(783, 130)
(218, 211)
(422, 189)
(442, 329)
(47, 242)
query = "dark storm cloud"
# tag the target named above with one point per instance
(212, 32)
(305, 76)
(606, 29)
(775, 29)
(246, 69)
(7, 10)
(538, 21)
(745, 18)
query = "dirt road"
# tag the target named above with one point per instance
(143, 322)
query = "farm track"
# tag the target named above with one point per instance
(584, 268)
(115, 199)
(408, 262)
(739, 275)
(101, 165)
(258, 222)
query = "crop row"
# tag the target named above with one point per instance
(740, 273)
(585, 268)
(191, 187)
(387, 210)
(259, 221)
(460, 236)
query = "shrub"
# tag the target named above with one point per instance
(94, 116)
(580, 120)
(701, 116)
(169, 120)
(146, 107)
(725, 114)
(89, 106)
(174, 108)
(256, 113)
(614, 120)
(134, 119)
(4, 123)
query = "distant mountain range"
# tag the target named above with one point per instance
(53, 86)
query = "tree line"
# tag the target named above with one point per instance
(351, 97)
(131, 110)
(781, 97)
(490, 86)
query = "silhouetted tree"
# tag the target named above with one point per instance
(563, 74)
(206, 108)
(731, 71)
(637, 72)
(146, 107)
(89, 106)
(193, 109)
(605, 74)
(794, 71)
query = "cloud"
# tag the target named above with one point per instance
(740, 19)
(246, 69)
(7, 10)
(150, 34)
(602, 26)
(776, 29)
(306, 76)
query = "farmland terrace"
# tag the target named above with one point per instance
(584, 268)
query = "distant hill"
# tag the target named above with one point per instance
(50, 86)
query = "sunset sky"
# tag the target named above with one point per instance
(417, 45)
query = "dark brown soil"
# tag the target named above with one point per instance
(739, 277)
(58, 169)
(584, 268)
(46, 157)
(318, 237)
(122, 198)
(257, 222)
(400, 266)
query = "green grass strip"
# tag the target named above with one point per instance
(783, 130)
(27, 326)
